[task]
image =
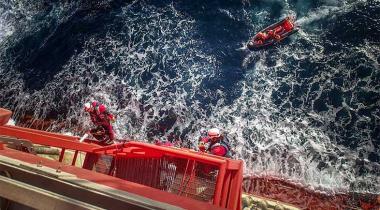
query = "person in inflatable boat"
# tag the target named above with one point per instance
(262, 37)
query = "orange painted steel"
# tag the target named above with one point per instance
(74, 158)
(229, 185)
(5, 115)
(227, 191)
(234, 197)
(106, 180)
(201, 157)
(46, 138)
(62, 154)
(183, 172)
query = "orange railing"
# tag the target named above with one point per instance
(5, 115)
(184, 172)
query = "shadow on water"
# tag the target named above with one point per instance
(355, 29)
(43, 53)
(359, 25)
(222, 29)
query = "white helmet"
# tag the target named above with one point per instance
(213, 133)
(87, 106)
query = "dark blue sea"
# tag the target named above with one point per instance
(307, 109)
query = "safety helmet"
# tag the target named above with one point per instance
(94, 104)
(213, 133)
(102, 108)
(87, 107)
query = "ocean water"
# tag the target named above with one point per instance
(306, 110)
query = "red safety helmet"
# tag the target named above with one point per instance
(102, 108)
(94, 104)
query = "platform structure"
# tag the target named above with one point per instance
(129, 175)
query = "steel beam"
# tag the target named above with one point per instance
(38, 198)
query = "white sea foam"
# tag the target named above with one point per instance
(6, 27)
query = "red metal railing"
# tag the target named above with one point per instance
(180, 171)
(183, 172)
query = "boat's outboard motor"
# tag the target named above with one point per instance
(251, 45)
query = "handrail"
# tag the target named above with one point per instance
(226, 185)
(5, 115)
(43, 138)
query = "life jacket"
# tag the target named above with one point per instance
(94, 117)
(288, 26)
(278, 29)
(100, 118)
(104, 118)
(261, 36)
(224, 143)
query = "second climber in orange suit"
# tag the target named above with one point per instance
(215, 143)
(101, 118)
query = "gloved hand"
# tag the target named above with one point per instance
(112, 118)
(202, 146)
